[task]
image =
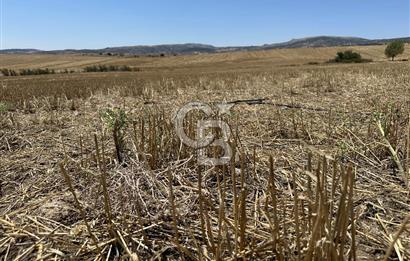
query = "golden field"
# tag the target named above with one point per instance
(235, 60)
(321, 166)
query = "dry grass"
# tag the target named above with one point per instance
(312, 180)
(213, 62)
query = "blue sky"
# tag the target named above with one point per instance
(60, 24)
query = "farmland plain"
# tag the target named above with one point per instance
(321, 168)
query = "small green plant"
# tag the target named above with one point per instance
(117, 121)
(393, 49)
(3, 107)
(343, 148)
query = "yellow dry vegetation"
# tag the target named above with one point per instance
(91, 166)
(243, 59)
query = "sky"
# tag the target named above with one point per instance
(62, 24)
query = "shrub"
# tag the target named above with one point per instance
(125, 68)
(5, 72)
(90, 69)
(107, 68)
(36, 71)
(349, 57)
(8, 72)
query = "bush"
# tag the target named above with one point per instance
(8, 72)
(107, 68)
(125, 68)
(5, 72)
(93, 68)
(36, 71)
(349, 57)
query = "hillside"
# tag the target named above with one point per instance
(245, 60)
(329, 41)
(192, 48)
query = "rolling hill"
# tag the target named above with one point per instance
(192, 48)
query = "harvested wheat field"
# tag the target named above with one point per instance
(92, 167)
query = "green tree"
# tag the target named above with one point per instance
(393, 49)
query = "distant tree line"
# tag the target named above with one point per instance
(139, 55)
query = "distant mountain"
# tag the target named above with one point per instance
(320, 41)
(191, 48)
(330, 41)
(188, 48)
(15, 51)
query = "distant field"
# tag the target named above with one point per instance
(220, 61)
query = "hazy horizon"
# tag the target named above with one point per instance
(51, 25)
